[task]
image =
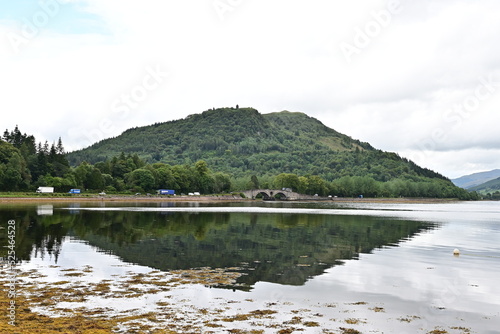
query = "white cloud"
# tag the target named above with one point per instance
(457, 162)
(396, 92)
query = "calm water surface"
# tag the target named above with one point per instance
(391, 266)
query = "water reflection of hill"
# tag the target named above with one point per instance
(281, 248)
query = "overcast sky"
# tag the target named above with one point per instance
(421, 78)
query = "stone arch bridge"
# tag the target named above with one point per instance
(271, 194)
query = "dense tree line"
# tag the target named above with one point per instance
(130, 173)
(493, 195)
(25, 165)
(354, 186)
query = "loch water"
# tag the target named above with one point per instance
(388, 265)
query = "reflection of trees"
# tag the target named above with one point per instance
(123, 228)
(40, 235)
(284, 248)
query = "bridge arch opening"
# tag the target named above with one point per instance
(280, 196)
(265, 196)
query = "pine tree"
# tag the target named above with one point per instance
(45, 148)
(60, 147)
(17, 137)
(6, 135)
(52, 154)
(254, 181)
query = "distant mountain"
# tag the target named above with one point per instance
(487, 187)
(476, 179)
(242, 142)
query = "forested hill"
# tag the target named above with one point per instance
(243, 142)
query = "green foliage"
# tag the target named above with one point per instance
(222, 183)
(423, 187)
(15, 154)
(254, 182)
(222, 150)
(493, 196)
(490, 189)
(14, 174)
(286, 180)
(24, 165)
(131, 174)
(242, 142)
(141, 179)
(316, 185)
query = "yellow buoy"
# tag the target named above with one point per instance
(456, 251)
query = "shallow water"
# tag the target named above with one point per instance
(378, 268)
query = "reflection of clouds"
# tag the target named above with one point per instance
(418, 272)
(75, 255)
(440, 213)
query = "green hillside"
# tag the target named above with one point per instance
(242, 142)
(491, 189)
(219, 151)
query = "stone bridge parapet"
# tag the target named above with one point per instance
(271, 194)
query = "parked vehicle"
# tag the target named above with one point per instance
(45, 190)
(166, 192)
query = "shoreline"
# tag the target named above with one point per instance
(217, 199)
